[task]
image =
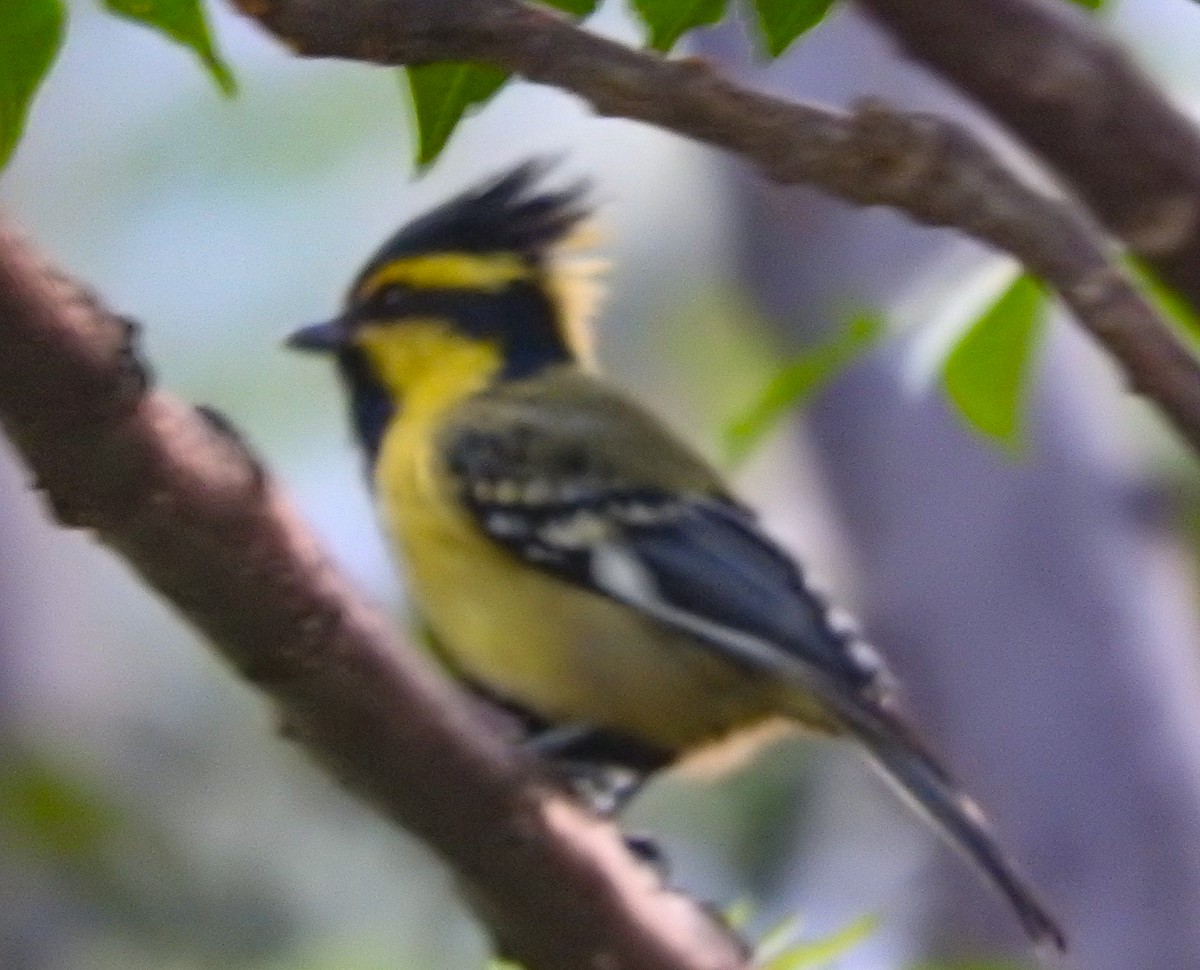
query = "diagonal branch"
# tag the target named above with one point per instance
(181, 500)
(1047, 71)
(935, 171)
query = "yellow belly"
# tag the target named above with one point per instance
(570, 655)
(562, 652)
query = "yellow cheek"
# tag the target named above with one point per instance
(425, 361)
(400, 354)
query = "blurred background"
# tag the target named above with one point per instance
(1040, 609)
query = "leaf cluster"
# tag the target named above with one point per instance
(33, 31)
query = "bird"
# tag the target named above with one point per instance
(570, 557)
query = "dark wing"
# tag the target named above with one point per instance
(588, 487)
(706, 567)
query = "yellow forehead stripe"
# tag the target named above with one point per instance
(488, 272)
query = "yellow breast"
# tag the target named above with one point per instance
(566, 654)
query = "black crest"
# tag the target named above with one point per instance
(507, 214)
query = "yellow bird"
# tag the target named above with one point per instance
(571, 558)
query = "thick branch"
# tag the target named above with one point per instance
(935, 171)
(181, 500)
(1047, 71)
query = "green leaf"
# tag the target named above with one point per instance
(31, 31)
(441, 94)
(668, 20)
(798, 381)
(184, 22)
(782, 21)
(1090, 4)
(577, 8)
(986, 373)
(45, 811)
(822, 952)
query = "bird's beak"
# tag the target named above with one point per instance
(321, 338)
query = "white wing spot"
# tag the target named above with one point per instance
(620, 574)
(640, 513)
(506, 525)
(577, 531)
(842, 623)
(865, 657)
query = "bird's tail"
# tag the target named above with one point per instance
(895, 750)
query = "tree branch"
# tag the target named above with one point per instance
(183, 502)
(1048, 72)
(935, 171)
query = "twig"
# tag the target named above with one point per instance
(177, 495)
(1048, 72)
(935, 171)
